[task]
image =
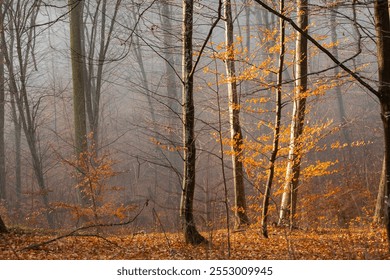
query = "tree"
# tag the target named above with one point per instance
(2, 114)
(80, 127)
(97, 38)
(3, 228)
(340, 98)
(382, 27)
(20, 45)
(290, 189)
(278, 115)
(236, 137)
(191, 234)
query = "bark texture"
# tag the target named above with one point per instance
(191, 234)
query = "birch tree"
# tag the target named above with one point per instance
(234, 120)
(290, 189)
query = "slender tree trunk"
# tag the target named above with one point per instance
(379, 214)
(2, 120)
(278, 115)
(191, 234)
(18, 144)
(93, 78)
(17, 81)
(382, 24)
(173, 96)
(240, 209)
(80, 128)
(340, 100)
(290, 189)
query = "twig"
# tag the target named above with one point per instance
(162, 227)
(72, 233)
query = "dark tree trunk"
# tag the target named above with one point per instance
(3, 228)
(382, 25)
(278, 115)
(191, 234)
(2, 119)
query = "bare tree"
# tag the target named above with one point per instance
(76, 50)
(97, 37)
(191, 234)
(20, 44)
(278, 115)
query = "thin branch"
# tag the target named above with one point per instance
(320, 47)
(73, 232)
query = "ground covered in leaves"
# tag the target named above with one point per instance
(353, 243)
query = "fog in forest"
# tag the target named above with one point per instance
(133, 88)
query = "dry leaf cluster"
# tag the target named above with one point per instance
(352, 243)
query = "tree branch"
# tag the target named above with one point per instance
(320, 47)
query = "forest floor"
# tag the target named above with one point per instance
(352, 243)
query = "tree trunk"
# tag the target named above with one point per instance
(80, 128)
(278, 115)
(3, 228)
(235, 128)
(18, 147)
(173, 95)
(379, 214)
(290, 189)
(191, 234)
(382, 24)
(93, 78)
(340, 100)
(2, 120)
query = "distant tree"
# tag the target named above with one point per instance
(97, 39)
(79, 113)
(18, 48)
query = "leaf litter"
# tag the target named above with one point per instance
(282, 244)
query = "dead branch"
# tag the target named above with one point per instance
(73, 232)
